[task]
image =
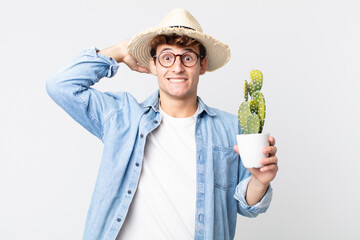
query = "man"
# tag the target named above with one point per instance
(169, 169)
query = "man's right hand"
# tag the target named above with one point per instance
(120, 54)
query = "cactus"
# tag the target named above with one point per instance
(244, 114)
(251, 113)
(246, 92)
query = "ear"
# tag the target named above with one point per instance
(152, 66)
(203, 66)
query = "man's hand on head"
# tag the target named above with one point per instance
(120, 54)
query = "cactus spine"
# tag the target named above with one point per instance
(251, 113)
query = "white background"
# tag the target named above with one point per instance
(308, 52)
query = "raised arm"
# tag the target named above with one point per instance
(71, 87)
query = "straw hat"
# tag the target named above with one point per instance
(181, 22)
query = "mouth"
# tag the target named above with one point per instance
(177, 80)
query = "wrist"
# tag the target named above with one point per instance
(258, 185)
(255, 191)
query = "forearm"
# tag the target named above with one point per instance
(83, 72)
(255, 191)
(116, 52)
(120, 54)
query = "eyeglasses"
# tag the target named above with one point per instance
(167, 59)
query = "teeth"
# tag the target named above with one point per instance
(177, 80)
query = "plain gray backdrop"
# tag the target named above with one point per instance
(308, 52)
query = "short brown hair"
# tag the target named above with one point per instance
(175, 39)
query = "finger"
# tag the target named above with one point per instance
(135, 67)
(142, 69)
(270, 150)
(254, 171)
(272, 167)
(236, 148)
(271, 141)
(130, 62)
(270, 160)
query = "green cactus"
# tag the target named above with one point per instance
(254, 106)
(246, 92)
(257, 79)
(253, 124)
(250, 88)
(251, 113)
(243, 114)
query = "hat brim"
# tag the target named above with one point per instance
(217, 53)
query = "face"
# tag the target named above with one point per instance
(178, 81)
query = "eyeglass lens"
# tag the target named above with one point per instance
(167, 59)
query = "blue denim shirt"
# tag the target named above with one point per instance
(122, 124)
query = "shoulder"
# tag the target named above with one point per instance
(122, 103)
(223, 125)
(227, 120)
(223, 115)
(215, 113)
(122, 98)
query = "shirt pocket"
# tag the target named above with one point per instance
(225, 167)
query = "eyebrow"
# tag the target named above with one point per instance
(186, 49)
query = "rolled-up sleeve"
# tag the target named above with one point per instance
(251, 211)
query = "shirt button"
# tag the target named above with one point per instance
(155, 121)
(201, 218)
(129, 192)
(137, 164)
(119, 219)
(141, 135)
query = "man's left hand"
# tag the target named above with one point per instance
(268, 172)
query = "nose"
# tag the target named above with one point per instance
(178, 66)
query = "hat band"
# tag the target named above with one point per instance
(182, 27)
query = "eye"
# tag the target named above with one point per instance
(188, 58)
(167, 57)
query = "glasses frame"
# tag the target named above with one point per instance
(198, 56)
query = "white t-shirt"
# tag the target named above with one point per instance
(164, 203)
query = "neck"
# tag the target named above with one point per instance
(179, 108)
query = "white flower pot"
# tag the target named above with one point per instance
(250, 148)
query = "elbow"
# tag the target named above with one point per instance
(52, 87)
(57, 89)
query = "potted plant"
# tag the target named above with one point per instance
(251, 116)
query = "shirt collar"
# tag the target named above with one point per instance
(153, 102)
(204, 108)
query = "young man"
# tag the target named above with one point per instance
(169, 168)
